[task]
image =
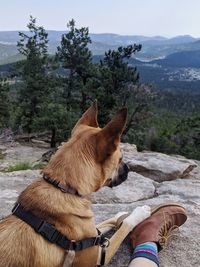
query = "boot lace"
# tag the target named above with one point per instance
(167, 231)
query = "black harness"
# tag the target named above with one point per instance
(50, 233)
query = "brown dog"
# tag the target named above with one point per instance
(88, 161)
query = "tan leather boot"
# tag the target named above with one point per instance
(160, 226)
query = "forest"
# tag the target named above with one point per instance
(46, 94)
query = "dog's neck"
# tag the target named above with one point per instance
(51, 201)
(64, 188)
(74, 168)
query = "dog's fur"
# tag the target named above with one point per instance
(88, 161)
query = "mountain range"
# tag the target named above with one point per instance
(171, 64)
(153, 48)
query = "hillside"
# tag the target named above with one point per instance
(7, 50)
(106, 38)
(171, 68)
(153, 47)
(184, 59)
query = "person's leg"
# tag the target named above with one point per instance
(144, 255)
(153, 234)
(142, 262)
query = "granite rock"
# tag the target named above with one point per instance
(178, 181)
(160, 167)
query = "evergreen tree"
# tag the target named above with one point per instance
(42, 101)
(4, 104)
(187, 136)
(54, 115)
(123, 76)
(120, 85)
(35, 82)
(76, 57)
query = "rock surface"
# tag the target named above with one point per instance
(11, 185)
(16, 153)
(136, 187)
(160, 167)
(139, 189)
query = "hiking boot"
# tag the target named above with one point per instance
(160, 226)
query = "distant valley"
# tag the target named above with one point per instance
(162, 61)
(152, 47)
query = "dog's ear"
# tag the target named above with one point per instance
(109, 137)
(89, 118)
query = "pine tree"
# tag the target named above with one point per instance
(35, 81)
(123, 76)
(119, 83)
(4, 104)
(54, 115)
(76, 57)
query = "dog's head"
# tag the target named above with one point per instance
(92, 157)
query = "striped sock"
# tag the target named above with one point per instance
(146, 250)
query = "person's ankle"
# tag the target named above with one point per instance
(147, 250)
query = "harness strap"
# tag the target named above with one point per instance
(50, 233)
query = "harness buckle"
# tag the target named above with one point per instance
(101, 240)
(106, 243)
(72, 245)
(48, 231)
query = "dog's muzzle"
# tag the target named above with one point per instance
(120, 177)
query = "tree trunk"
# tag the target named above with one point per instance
(83, 102)
(129, 123)
(53, 138)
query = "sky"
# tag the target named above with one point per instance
(128, 17)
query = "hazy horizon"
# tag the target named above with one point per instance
(166, 18)
(153, 36)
